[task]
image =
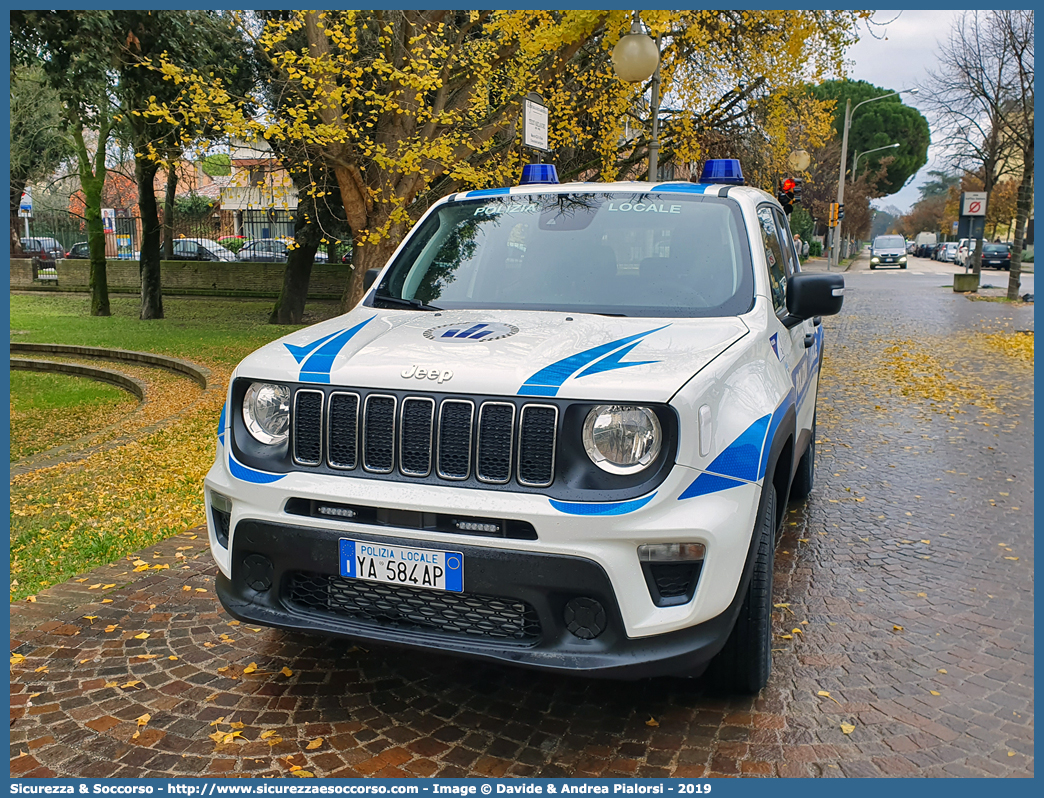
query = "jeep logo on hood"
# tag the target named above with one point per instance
(465, 333)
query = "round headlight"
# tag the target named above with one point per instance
(622, 439)
(902, 259)
(266, 412)
(875, 260)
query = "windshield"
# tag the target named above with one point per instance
(653, 254)
(1002, 248)
(889, 242)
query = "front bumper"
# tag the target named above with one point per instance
(284, 575)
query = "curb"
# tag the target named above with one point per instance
(129, 384)
(199, 374)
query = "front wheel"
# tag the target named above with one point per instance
(744, 664)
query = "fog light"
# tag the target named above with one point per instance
(221, 515)
(477, 526)
(875, 260)
(671, 552)
(336, 512)
(258, 572)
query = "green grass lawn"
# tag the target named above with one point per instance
(72, 518)
(206, 329)
(51, 409)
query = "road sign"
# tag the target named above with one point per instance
(25, 207)
(955, 228)
(973, 203)
(534, 124)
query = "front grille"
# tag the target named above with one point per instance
(379, 434)
(414, 609)
(421, 436)
(308, 424)
(496, 433)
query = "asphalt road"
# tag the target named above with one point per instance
(904, 622)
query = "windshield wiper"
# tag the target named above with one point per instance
(416, 304)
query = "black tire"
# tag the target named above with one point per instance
(743, 665)
(902, 265)
(805, 477)
(872, 267)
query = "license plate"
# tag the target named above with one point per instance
(399, 565)
(995, 263)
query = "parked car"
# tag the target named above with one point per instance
(888, 250)
(42, 248)
(962, 252)
(996, 256)
(271, 250)
(576, 458)
(948, 254)
(80, 251)
(199, 249)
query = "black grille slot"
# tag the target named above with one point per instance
(536, 445)
(414, 609)
(671, 584)
(308, 425)
(342, 444)
(415, 442)
(496, 425)
(379, 434)
(455, 426)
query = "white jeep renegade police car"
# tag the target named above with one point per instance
(559, 431)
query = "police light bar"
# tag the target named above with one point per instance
(722, 170)
(539, 173)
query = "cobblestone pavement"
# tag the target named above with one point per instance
(904, 592)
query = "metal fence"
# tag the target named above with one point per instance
(214, 235)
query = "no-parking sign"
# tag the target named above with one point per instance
(973, 203)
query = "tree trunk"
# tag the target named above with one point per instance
(1022, 210)
(17, 225)
(289, 308)
(364, 258)
(149, 265)
(168, 209)
(98, 283)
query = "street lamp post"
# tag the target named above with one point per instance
(855, 162)
(636, 58)
(849, 110)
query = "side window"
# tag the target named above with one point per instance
(770, 237)
(790, 262)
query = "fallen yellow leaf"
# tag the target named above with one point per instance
(652, 722)
(286, 672)
(897, 628)
(130, 684)
(186, 588)
(211, 697)
(935, 692)
(17, 659)
(106, 601)
(108, 587)
(942, 670)
(145, 656)
(268, 733)
(31, 599)
(91, 618)
(318, 741)
(94, 587)
(172, 657)
(201, 590)
(825, 694)
(303, 774)
(41, 669)
(847, 728)
(111, 627)
(237, 725)
(250, 668)
(142, 636)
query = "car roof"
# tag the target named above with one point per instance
(621, 186)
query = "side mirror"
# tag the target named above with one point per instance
(369, 278)
(811, 294)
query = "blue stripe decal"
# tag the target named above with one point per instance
(777, 417)
(240, 471)
(317, 367)
(301, 352)
(488, 192)
(610, 362)
(606, 508)
(221, 424)
(709, 483)
(549, 379)
(684, 188)
(740, 459)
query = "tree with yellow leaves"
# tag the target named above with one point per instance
(403, 107)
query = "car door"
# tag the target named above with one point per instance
(797, 347)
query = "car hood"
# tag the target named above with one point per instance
(525, 353)
(888, 251)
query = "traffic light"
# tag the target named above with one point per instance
(832, 216)
(786, 194)
(799, 183)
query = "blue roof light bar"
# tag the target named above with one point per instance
(722, 170)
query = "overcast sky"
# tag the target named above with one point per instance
(897, 54)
